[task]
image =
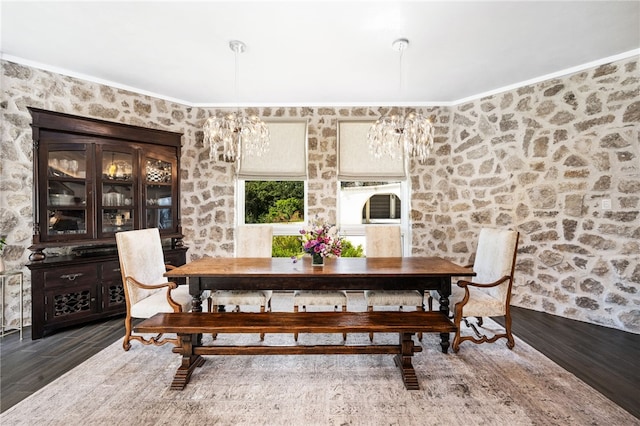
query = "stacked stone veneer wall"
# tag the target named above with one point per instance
(508, 160)
(208, 188)
(23, 87)
(541, 159)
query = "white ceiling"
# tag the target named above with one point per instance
(317, 52)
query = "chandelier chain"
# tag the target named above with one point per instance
(238, 135)
(406, 136)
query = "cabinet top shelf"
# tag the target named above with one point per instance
(52, 120)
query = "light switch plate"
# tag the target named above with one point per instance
(606, 204)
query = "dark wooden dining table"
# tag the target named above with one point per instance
(342, 273)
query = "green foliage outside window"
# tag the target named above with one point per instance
(349, 250)
(290, 245)
(274, 201)
(282, 202)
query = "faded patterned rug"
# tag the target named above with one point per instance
(481, 385)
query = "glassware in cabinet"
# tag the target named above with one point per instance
(117, 190)
(66, 196)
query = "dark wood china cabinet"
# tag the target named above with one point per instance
(94, 178)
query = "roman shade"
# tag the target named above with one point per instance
(356, 162)
(286, 157)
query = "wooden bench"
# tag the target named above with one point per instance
(190, 327)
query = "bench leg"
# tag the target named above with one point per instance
(403, 361)
(189, 362)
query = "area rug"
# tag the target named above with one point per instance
(481, 385)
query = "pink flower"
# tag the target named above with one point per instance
(321, 239)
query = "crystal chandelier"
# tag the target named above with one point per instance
(397, 135)
(237, 134)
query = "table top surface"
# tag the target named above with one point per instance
(334, 267)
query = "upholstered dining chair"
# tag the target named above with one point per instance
(386, 241)
(251, 241)
(488, 294)
(147, 292)
(306, 298)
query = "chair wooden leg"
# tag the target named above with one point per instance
(455, 346)
(295, 335)
(126, 345)
(344, 335)
(370, 309)
(430, 302)
(213, 308)
(419, 308)
(507, 326)
(262, 334)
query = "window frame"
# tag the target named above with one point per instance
(278, 228)
(358, 230)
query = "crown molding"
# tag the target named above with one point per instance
(575, 69)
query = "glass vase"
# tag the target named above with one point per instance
(317, 259)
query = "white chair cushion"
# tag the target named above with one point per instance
(494, 259)
(386, 241)
(157, 302)
(141, 258)
(480, 304)
(319, 297)
(254, 241)
(393, 298)
(383, 241)
(240, 297)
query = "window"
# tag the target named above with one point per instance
(272, 188)
(372, 190)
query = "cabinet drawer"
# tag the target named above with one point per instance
(73, 275)
(110, 271)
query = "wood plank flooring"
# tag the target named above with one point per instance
(605, 358)
(602, 357)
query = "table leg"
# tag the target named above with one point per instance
(444, 308)
(403, 361)
(444, 342)
(196, 294)
(189, 362)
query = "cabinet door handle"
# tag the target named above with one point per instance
(116, 270)
(70, 277)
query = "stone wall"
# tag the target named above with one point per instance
(541, 159)
(208, 188)
(538, 159)
(24, 87)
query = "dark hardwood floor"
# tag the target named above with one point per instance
(604, 358)
(28, 365)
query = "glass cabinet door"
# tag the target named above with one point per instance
(116, 190)
(66, 196)
(159, 193)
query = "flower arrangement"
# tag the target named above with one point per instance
(321, 239)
